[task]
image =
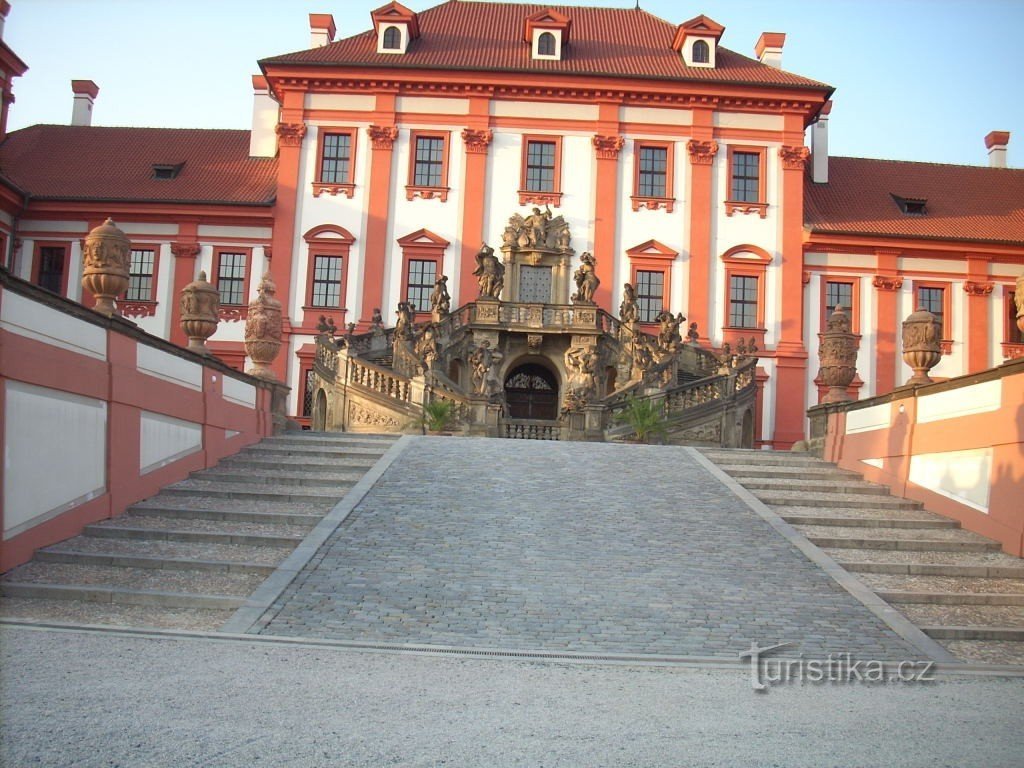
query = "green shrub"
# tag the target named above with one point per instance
(644, 417)
(438, 414)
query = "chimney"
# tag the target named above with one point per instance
(769, 48)
(85, 92)
(263, 140)
(819, 145)
(996, 142)
(322, 29)
(5, 8)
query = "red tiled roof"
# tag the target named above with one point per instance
(964, 202)
(72, 162)
(483, 36)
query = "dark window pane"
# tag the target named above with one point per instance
(429, 164)
(933, 299)
(701, 53)
(140, 276)
(326, 281)
(653, 171)
(546, 44)
(231, 278)
(422, 276)
(392, 39)
(746, 170)
(51, 268)
(307, 394)
(742, 301)
(650, 293)
(838, 295)
(334, 166)
(540, 166)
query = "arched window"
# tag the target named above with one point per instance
(546, 44)
(392, 39)
(701, 52)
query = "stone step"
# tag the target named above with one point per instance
(939, 615)
(792, 485)
(223, 503)
(268, 556)
(123, 596)
(824, 500)
(157, 522)
(255, 479)
(341, 441)
(969, 585)
(913, 545)
(863, 513)
(974, 633)
(203, 537)
(177, 580)
(950, 598)
(871, 522)
(250, 463)
(935, 569)
(784, 470)
(75, 557)
(261, 493)
(169, 510)
(763, 458)
(313, 452)
(990, 559)
(114, 614)
(942, 534)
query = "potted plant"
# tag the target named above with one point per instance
(644, 417)
(438, 415)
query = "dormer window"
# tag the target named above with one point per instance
(547, 32)
(396, 27)
(912, 206)
(697, 41)
(166, 170)
(392, 39)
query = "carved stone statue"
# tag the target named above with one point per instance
(837, 352)
(490, 272)
(199, 304)
(1018, 298)
(628, 310)
(440, 300)
(692, 335)
(484, 359)
(643, 356)
(586, 280)
(405, 318)
(263, 329)
(427, 348)
(377, 319)
(538, 230)
(326, 327)
(106, 259)
(668, 336)
(581, 363)
(922, 334)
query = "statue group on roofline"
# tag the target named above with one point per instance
(539, 230)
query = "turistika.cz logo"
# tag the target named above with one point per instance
(838, 668)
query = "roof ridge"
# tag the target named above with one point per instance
(922, 162)
(130, 128)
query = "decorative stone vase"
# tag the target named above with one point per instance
(263, 330)
(199, 304)
(106, 259)
(1018, 297)
(922, 333)
(837, 352)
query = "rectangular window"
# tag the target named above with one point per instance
(838, 295)
(51, 268)
(1014, 335)
(650, 292)
(336, 158)
(540, 166)
(422, 276)
(651, 181)
(743, 301)
(307, 394)
(140, 275)
(429, 167)
(326, 281)
(934, 300)
(231, 277)
(746, 177)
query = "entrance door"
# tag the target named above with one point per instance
(531, 392)
(534, 284)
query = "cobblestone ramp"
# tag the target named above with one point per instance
(958, 587)
(188, 557)
(568, 547)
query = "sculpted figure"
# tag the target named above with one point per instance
(691, 334)
(405, 318)
(669, 337)
(582, 363)
(377, 320)
(537, 226)
(483, 360)
(490, 272)
(628, 310)
(427, 349)
(586, 280)
(440, 299)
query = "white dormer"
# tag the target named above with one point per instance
(396, 26)
(547, 32)
(697, 41)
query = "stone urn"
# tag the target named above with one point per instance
(199, 304)
(1018, 297)
(106, 259)
(922, 334)
(837, 352)
(263, 330)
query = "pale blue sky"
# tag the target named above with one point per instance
(916, 79)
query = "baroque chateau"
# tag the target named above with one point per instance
(665, 173)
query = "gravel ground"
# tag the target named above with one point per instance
(941, 583)
(937, 534)
(75, 612)
(194, 582)
(236, 553)
(963, 615)
(987, 651)
(78, 699)
(988, 559)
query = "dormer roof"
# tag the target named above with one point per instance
(547, 19)
(396, 13)
(698, 26)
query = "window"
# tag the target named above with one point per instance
(421, 277)
(140, 275)
(428, 166)
(309, 382)
(541, 171)
(326, 281)
(650, 291)
(231, 274)
(392, 39)
(845, 292)
(652, 177)
(51, 268)
(936, 297)
(746, 177)
(743, 301)
(838, 295)
(336, 158)
(912, 206)
(701, 52)
(166, 171)
(546, 44)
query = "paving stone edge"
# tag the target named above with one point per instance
(275, 584)
(889, 615)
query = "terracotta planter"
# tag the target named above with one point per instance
(105, 262)
(837, 352)
(263, 330)
(922, 333)
(199, 304)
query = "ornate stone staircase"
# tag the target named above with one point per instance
(957, 586)
(191, 555)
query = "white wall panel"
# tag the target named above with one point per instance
(55, 453)
(163, 365)
(432, 105)
(658, 115)
(163, 439)
(868, 419)
(212, 231)
(749, 120)
(35, 225)
(342, 102)
(33, 320)
(547, 110)
(963, 401)
(959, 475)
(240, 392)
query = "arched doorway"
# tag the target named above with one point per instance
(320, 412)
(531, 391)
